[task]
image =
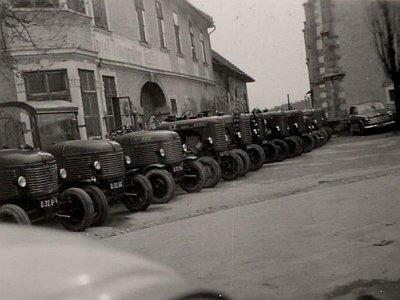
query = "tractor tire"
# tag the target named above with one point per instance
(309, 143)
(257, 156)
(294, 146)
(194, 176)
(231, 166)
(213, 171)
(163, 185)
(284, 149)
(10, 213)
(271, 152)
(79, 208)
(138, 193)
(245, 159)
(301, 143)
(100, 204)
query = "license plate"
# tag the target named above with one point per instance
(48, 203)
(177, 169)
(116, 185)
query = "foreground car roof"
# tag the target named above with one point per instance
(37, 264)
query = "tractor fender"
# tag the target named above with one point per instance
(190, 158)
(153, 166)
(132, 172)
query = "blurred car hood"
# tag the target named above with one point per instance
(41, 265)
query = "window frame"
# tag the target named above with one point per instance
(178, 41)
(101, 13)
(47, 95)
(192, 41)
(141, 18)
(161, 25)
(203, 46)
(34, 4)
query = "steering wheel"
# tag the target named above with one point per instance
(121, 130)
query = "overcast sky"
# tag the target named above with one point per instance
(264, 38)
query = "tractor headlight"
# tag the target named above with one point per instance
(390, 113)
(278, 128)
(97, 165)
(210, 140)
(128, 160)
(184, 148)
(63, 173)
(296, 125)
(226, 138)
(162, 152)
(239, 135)
(21, 181)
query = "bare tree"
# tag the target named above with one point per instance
(384, 18)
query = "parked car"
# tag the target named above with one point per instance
(40, 264)
(369, 115)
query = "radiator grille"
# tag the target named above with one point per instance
(173, 151)
(143, 155)
(78, 167)
(220, 143)
(7, 183)
(42, 178)
(112, 165)
(245, 130)
(379, 119)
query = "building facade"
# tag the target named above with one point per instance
(343, 66)
(231, 86)
(113, 59)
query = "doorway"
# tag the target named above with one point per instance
(152, 100)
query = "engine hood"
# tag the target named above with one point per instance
(146, 136)
(18, 158)
(374, 113)
(71, 148)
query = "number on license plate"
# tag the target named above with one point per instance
(48, 203)
(116, 185)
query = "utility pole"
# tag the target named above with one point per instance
(288, 102)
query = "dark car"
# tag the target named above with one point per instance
(39, 265)
(369, 115)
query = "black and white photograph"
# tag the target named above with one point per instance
(199, 149)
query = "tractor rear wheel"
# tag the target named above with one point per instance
(138, 193)
(245, 159)
(231, 166)
(163, 185)
(193, 178)
(213, 171)
(11, 213)
(100, 204)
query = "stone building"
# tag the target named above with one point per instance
(343, 66)
(101, 54)
(231, 85)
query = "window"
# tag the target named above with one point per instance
(112, 102)
(35, 3)
(141, 20)
(177, 33)
(46, 85)
(174, 108)
(192, 44)
(77, 5)
(99, 14)
(203, 47)
(90, 103)
(161, 25)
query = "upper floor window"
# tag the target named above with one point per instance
(177, 33)
(203, 47)
(46, 85)
(161, 25)
(100, 14)
(192, 43)
(77, 5)
(35, 3)
(141, 20)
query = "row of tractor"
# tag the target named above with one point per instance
(47, 172)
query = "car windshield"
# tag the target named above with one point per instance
(16, 128)
(370, 106)
(54, 128)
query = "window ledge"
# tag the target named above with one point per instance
(145, 44)
(195, 59)
(100, 28)
(205, 64)
(50, 9)
(164, 49)
(180, 55)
